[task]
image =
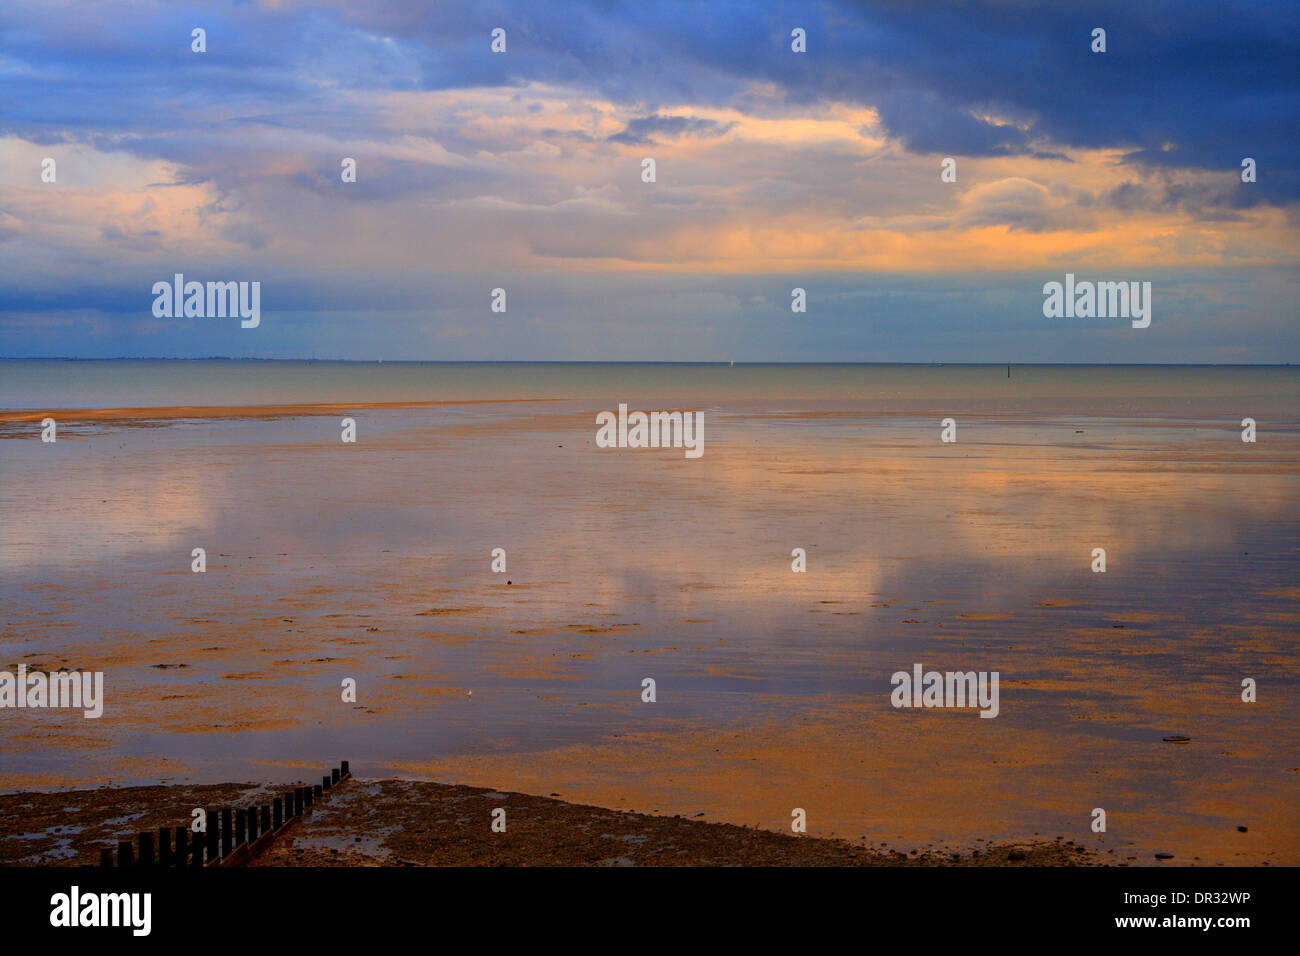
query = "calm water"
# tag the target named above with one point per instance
(1159, 390)
(372, 561)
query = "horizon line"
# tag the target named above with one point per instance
(725, 363)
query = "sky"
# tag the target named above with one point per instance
(523, 170)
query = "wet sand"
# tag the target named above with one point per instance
(145, 416)
(408, 823)
(372, 562)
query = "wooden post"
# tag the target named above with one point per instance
(297, 801)
(164, 846)
(227, 834)
(241, 827)
(213, 837)
(306, 798)
(182, 845)
(106, 856)
(277, 813)
(252, 824)
(334, 775)
(124, 853)
(324, 783)
(196, 854)
(317, 791)
(266, 819)
(345, 771)
(146, 849)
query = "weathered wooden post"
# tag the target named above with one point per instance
(297, 801)
(124, 855)
(241, 827)
(277, 813)
(334, 775)
(106, 856)
(316, 792)
(306, 798)
(324, 783)
(227, 836)
(164, 846)
(196, 854)
(266, 819)
(252, 824)
(146, 849)
(346, 771)
(213, 838)
(182, 846)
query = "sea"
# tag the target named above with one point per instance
(498, 588)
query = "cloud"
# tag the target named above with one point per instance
(643, 129)
(526, 163)
(927, 124)
(1015, 202)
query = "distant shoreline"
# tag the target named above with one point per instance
(721, 363)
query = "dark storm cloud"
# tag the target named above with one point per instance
(1182, 84)
(644, 129)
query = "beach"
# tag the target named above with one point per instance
(403, 823)
(372, 561)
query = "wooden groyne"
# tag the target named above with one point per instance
(233, 836)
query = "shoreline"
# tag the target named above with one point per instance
(405, 823)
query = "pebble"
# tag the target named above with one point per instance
(1164, 856)
(1176, 739)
